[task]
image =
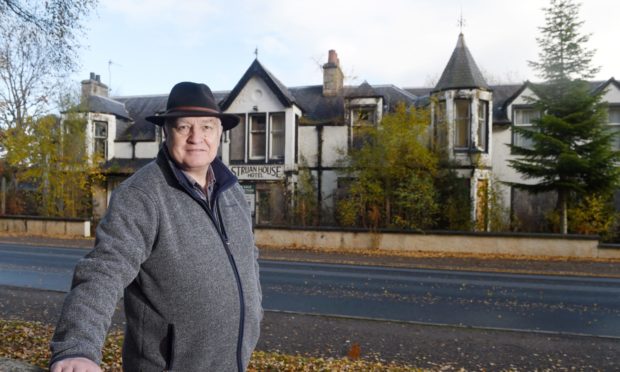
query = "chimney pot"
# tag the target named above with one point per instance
(333, 57)
(93, 86)
(332, 75)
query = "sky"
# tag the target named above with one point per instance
(142, 47)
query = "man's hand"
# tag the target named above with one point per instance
(75, 365)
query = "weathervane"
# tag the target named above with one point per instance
(256, 52)
(461, 22)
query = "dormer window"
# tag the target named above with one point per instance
(362, 118)
(524, 117)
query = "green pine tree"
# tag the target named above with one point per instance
(571, 152)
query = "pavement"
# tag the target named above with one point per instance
(426, 346)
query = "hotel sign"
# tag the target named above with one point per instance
(258, 172)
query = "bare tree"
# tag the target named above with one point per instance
(57, 22)
(27, 78)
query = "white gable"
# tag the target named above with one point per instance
(612, 94)
(256, 96)
(524, 98)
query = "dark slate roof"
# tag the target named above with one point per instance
(392, 95)
(363, 90)
(419, 91)
(256, 68)
(599, 86)
(317, 108)
(140, 107)
(502, 96)
(105, 105)
(121, 127)
(461, 71)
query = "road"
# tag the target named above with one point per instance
(556, 304)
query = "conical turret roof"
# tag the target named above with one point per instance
(461, 71)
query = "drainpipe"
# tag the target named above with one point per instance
(319, 177)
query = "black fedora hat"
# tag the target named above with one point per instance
(193, 99)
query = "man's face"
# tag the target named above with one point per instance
(193, 141)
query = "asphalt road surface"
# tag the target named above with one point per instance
(555, 304)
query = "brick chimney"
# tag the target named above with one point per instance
(332, 75)
(94, 87)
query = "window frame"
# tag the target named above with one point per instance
(251, 137)
(483, 126)
(467, 130)
(516, 110)
(242, 129)
(100, 138)
(357, 125)
(281, 132)
(614, 125)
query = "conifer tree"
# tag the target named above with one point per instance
(571, 152)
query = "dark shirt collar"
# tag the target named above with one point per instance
(224, 178)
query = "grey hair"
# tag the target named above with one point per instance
(168, 123)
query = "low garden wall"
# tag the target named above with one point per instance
(325, 238)
(522, 244)
(45, 226)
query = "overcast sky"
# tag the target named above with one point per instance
(154, 44)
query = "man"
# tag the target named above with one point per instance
(177, 237)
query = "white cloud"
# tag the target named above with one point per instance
(404, 42)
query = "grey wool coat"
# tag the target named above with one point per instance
(189, 273)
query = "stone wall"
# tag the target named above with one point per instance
(552, 245)
(45, 226)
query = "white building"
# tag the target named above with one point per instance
(284, 128)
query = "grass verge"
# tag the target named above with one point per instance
(29, 342)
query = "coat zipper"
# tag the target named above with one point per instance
(171, 341)
(226, 242)
(219, 226)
